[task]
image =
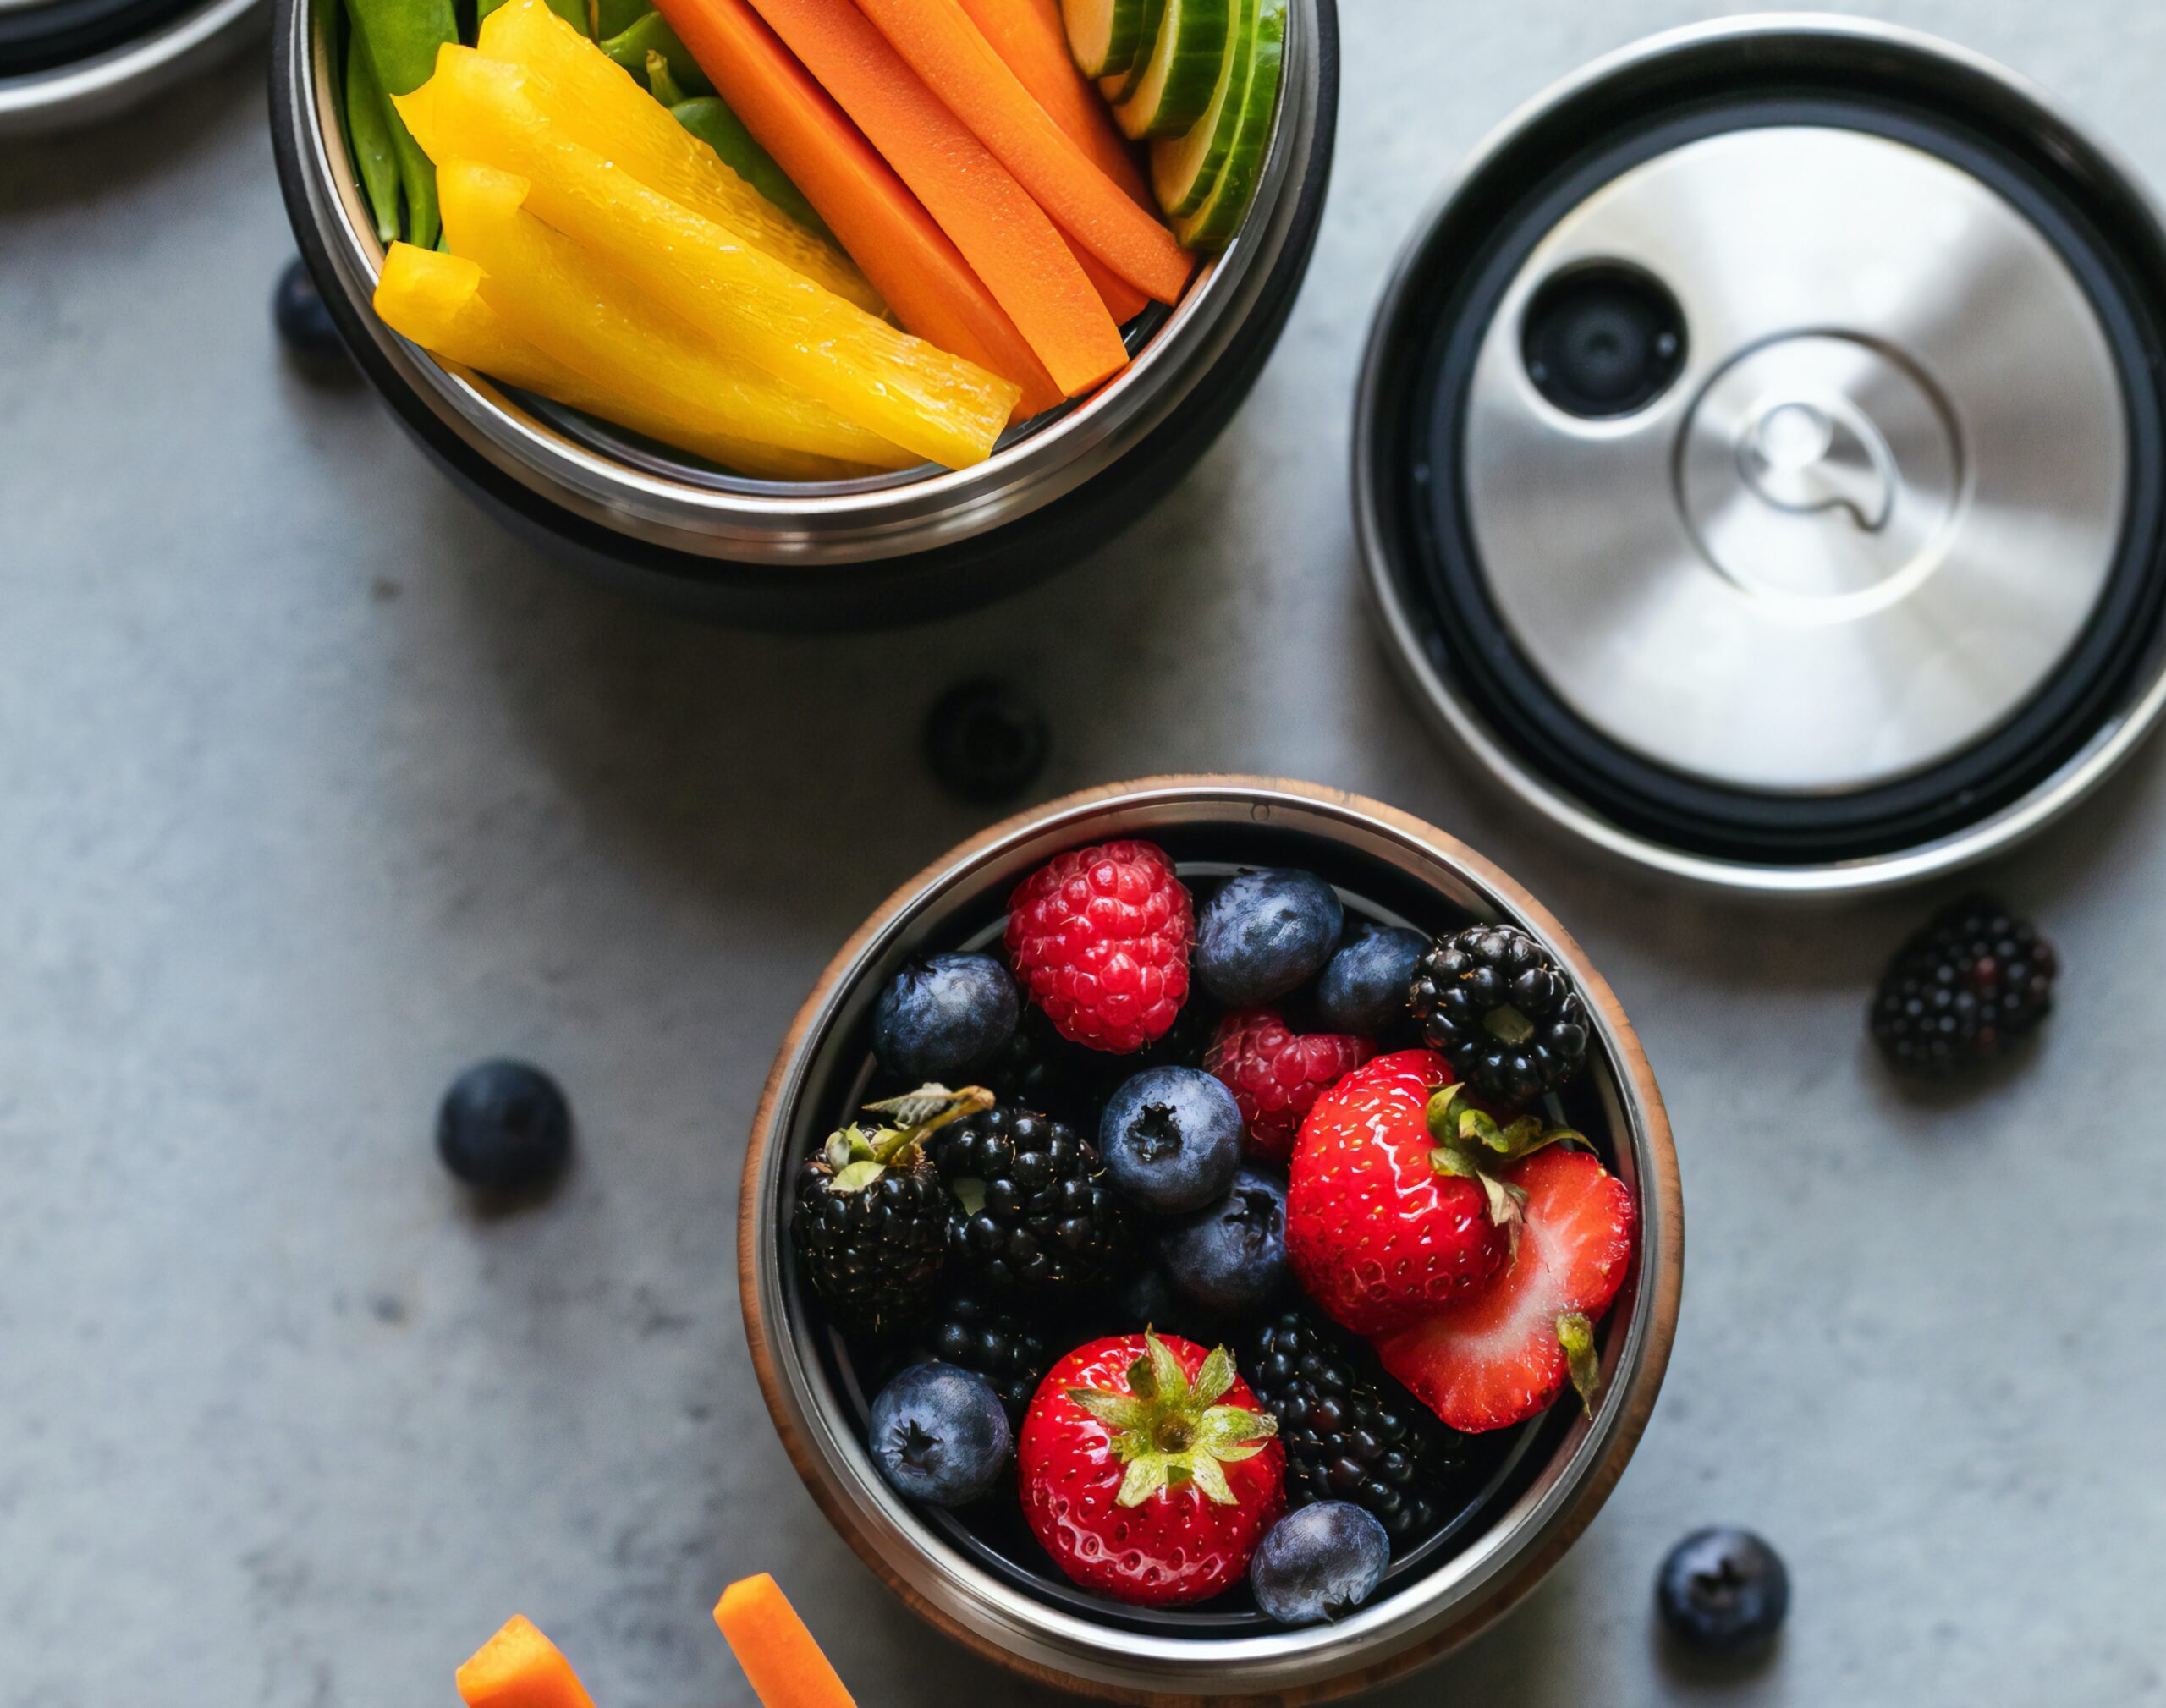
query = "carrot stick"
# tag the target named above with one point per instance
(946, 49)
(894, 241)
(1006, 237)
(519, 1667)
(1123, 301)
(1032, 42)
(779, 1655)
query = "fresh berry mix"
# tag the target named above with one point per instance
(1724, 1590)
(1148, 1471)
(1364, 986)
(1276, 1075)
(945, 1017)
(1319, 1563)
(1266, 933)
(1395, 1252)
(1230, 1257)
(940, 1435)
(1968, 987)
(504, 1127)
(1171, 1138)
(1100, 939)
(1492, 1000)
(986, 742)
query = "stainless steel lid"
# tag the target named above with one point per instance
(66, 63)
(1758, 456)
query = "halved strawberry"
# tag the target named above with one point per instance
(1505, 1355)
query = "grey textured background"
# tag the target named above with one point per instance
(314, 787)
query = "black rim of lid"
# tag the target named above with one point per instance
(56, 33)
(1467, 262)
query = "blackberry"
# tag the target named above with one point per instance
(1968, 985)
(1040, 1070)
(1493, 1002)
(1039, 1215)
(997, 1344)
(871, 1225)
(1351, 1433)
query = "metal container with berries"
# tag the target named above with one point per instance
(1210, 1237)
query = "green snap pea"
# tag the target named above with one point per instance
(659, 79)
(368, 134)
(614, 17)
(402, 38)
(708, 118)
(652, 35)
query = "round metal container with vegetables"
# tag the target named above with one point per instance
(810, 311)
(1211, 1238)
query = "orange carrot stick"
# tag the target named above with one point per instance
(1006, 237)
(946, 50)
(779, 1655)
(894, 241)
(1123, 301)
(519, 1667)
(1032, 42)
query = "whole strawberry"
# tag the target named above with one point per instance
(1277, 1074)
(1100, 940)
(1148, 1470)
(1396, 1208)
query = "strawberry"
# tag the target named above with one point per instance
(1148, 1470)
(1277, 1074)
(1100, 938)
(1505, 1355)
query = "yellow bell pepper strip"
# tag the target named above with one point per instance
(652, 35)
(436, 300)
(368, 135)
(574, 305)
(601, 108)
(403, 37)
(867, 372)
(715, 123)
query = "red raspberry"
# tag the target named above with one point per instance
(1276, 1075)
(1100, 938)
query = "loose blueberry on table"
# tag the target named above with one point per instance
(1725, 1591)
(504, 1129)
(1387, 1257)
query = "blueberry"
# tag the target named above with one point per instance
(304, 323)
(940, 1435)
(1723, 1590)
(986, 742)
(1232, 1257)
(1319, 1563)
(1171, 1139)
(945, 1017)
(1364, 987)
(1264, 933)
(504, 1127)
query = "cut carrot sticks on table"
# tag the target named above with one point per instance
(519, 1667)
(779, 1655)
(1030, 40)
(947, 51)
(916, 266)
(1006, 236)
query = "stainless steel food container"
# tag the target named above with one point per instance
(69, 63)
(1867, 581)
(1569, 1464)
(897, 548)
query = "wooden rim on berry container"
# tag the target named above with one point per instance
(1054, 1636)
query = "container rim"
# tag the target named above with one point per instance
(84, 91)
(1433, 1613)
(1462, 725)
(718, 517)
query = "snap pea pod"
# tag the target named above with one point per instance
(614, 17)
(402, 38)
(368, 134)
(579, 13)
(650, 35)
(709, 118)
(662, 80)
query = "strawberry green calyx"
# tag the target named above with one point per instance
(1576, 1334)
(1169, 1430)
(1471, 1146)
(858, 1155)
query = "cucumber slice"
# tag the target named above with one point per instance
(1213, 226)
(1182, 71)
(1109, 38)
(1185, 169)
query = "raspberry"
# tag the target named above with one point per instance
(1099, 939)
(1277, 1075)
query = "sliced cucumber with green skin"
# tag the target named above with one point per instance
(1109, 38)
(1182, 71)
(1213, 226)
(1185, 169)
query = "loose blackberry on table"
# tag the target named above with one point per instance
(1492, 1002)
(1037, 1213)
(1970, 985)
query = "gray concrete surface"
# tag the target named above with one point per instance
(314, 787)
